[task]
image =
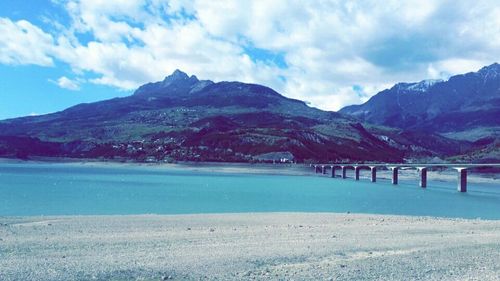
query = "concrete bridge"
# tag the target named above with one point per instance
(394, 168)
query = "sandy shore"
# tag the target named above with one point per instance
(267, 246)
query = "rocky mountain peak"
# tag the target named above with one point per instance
(178, 75)
(493, 66)
(490, 71)
(177, 79)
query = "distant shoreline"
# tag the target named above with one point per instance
(299, 169)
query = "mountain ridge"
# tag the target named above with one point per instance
(184, 118)
(463, 102)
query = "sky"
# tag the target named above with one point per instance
(58, 53)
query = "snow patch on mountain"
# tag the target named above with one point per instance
(423, 85)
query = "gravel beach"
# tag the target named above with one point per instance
(255, 246)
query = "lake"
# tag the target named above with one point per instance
(28, 189)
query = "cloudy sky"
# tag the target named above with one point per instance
(57, 53)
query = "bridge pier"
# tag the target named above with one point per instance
(421, 168)
(356, 172)
(344, 171)
(373, 170)
(394, 174)
(462, 179)
(423, 176)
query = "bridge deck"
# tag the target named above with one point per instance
(422, 169)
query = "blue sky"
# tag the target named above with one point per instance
(58, 53)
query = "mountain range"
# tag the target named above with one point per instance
(465, 107)
(184, 118)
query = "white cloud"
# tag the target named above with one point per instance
(328, 47)
(445, 68)
(23, 43)
(66, 83)
(331, 46)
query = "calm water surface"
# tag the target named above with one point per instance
(73, 189)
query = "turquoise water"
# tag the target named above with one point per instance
(71, 189)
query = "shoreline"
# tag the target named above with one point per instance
(19, 218)
(261, 246)
(261, 169)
